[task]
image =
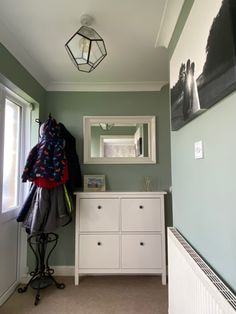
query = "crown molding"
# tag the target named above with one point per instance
(14, 46)
(106, 86)
(169, 19)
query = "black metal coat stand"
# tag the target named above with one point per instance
(42, 246)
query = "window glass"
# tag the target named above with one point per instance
(10, 186)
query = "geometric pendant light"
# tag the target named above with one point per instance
(86, 48)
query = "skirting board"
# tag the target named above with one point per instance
(64, 270)
(68, 271)
(8, 293)
(58, 271)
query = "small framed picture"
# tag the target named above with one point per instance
(94, 183)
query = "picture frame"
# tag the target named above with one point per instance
(94, 183)
(203, 66)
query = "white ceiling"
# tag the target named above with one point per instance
(135, 33)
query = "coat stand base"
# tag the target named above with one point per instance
(42, 246)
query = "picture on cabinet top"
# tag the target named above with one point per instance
(203, 65)
(94, 183)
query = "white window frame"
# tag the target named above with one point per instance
(24, 146)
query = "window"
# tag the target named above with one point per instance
(11, 150)
(15, 115)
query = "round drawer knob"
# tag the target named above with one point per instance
(99, 243)
(99, 206)
(141, 206)
(142, 243)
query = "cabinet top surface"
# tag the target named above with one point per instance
(120, 194)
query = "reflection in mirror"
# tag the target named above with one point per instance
(119, 139)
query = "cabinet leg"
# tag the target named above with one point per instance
(163, 277)
(76, 279)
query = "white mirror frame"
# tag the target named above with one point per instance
(88, 121)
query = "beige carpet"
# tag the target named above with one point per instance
(94, 295)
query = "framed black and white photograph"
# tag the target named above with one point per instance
(94, 183)
(202, 67)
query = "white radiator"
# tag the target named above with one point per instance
(194, 288)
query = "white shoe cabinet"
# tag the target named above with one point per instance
(120, 233)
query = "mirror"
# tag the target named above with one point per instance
(119, 139)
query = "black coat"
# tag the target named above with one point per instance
(75, 178)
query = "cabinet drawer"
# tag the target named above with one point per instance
(99, 251)
(141, 251)
(99, 214)
(141, 214)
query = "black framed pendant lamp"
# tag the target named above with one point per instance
(86, 48)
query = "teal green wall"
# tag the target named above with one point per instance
(70, 107)
(204, 190)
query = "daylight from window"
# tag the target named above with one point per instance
(11, 156)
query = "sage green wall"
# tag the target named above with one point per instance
(17, 78)
(204, 190)
(14, 76)
(70, 107)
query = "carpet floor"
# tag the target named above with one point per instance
(94, 295)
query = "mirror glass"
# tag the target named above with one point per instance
(119, 139)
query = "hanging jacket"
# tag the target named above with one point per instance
(46, 159)
(49, 184)
(27, 203)
(74, 171)
(49, 205)
(49, 210)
